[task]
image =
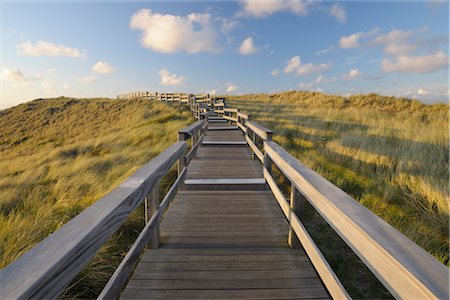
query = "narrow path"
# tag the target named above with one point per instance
(224, 236)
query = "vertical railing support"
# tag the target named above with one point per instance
(254, 142)
(297, 203)
(151, 205)
(182, 159)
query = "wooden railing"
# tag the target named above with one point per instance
(405, 269)
(45, 270)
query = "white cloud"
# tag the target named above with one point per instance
(212, 92)
(416, 64)
(102, 67)
(323, 79)
(324, 51)
(42, 48)
(398, 49)
(170, 33)
(422, 91)
(305, 85)
(275, 73)
(66, 86)
(393, 36)
(338, 12)
(265, 8)
(294, 65)
(88, 79)
(352, 40)
(352, 74)
(247, 47)
(168, 78)
(312, 68)
(231, 87)
(228, 25)
(16, 76)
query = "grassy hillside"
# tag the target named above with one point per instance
(390, 154)
(58, 156)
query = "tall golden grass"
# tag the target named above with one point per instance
(58, 156)
(390, 154)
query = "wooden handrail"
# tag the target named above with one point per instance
(326, 273)
(123, 271)
(230, 109)
(191, 129)
(405, 269)
(45, 270)
(261, 131)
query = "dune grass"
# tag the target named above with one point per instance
(58, 156)
(390, 154)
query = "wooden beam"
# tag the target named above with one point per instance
(255, 149)
(123, 271)
(261, 131)
(329, 278)
(404, 268)
(45, 270)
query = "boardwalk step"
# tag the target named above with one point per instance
(226, 184)
(223, 128)
(217, 121)
(224, 143)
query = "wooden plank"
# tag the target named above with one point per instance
(123, 271)
(224, 275)
(243, 115)
(261, 131)
(223, 128)
(224, 143)
(46, 269)
(228, 284)
(297, 293)
(225, 181)
(255, 149)
(229, 266)
(156, 257)
(329, 278)
(404, 268)
(230, 109)
(191, 129)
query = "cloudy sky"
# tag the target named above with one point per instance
(107, 48)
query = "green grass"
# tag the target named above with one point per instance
(390, 154)
(58, 156)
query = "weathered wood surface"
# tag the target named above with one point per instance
(329, 278)
(227, 244)
(36, 274)
(261, 131)
(123, 271)
(405, 269)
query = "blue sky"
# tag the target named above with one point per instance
(107, 48)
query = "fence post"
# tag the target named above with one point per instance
(297, 203)
(182, 159)
(151, 205)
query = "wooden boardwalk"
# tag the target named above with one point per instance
(224, 236)
(224, 229)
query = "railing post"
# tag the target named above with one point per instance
(151, 205)
(182, 159)
(297, 203)
(194, 139)
(254, 142)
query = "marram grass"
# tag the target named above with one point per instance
(58, 156)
